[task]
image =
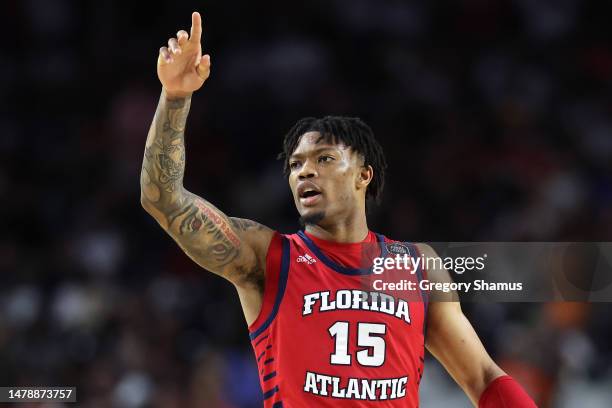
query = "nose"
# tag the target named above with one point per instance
(307, 171)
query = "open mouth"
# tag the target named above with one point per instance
(310, 193)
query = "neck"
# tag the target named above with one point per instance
(347, 230)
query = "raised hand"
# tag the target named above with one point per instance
(181, 68)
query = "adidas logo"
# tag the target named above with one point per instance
(306, 258)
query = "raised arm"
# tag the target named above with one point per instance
(231, 247)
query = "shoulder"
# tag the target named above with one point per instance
(253, 234)
(421, 248)
(437, 273)
(254, 241)
(432, 265)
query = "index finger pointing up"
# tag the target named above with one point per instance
(196, 27)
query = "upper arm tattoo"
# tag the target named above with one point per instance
(204, 232)
(243, 225)
(214, 241)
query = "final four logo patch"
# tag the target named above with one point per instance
(397, 248)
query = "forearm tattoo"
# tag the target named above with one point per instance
(164, 161)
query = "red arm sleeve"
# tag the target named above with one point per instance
(505, 392)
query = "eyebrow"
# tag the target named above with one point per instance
(312, 152)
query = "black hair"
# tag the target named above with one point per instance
(353, 133)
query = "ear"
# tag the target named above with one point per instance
(364, 177)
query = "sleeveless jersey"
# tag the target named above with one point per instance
(326, 338)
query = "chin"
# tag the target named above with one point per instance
(313, 217)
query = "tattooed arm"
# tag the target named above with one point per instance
(231, 247)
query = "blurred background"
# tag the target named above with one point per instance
(495, 117)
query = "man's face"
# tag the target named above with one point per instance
(326, 179)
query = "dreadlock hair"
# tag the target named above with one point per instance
(353, 133)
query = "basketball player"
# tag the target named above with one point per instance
(320, 339)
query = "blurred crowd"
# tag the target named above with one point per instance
(495, 118)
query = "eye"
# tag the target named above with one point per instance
(325, 159)
(294, 165)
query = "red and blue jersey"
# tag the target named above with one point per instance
(325, 337)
